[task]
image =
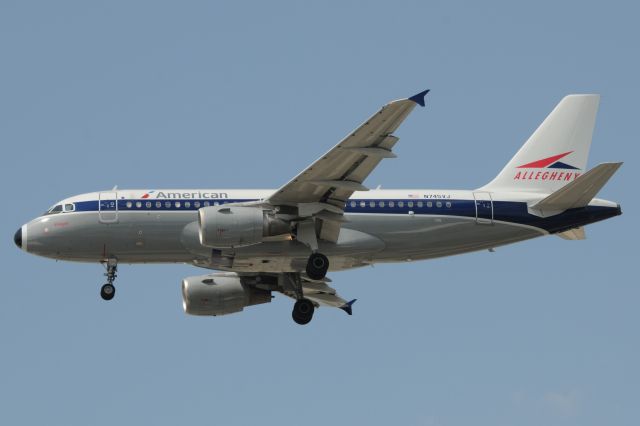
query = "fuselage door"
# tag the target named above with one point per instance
(484, 208)
(108, 207)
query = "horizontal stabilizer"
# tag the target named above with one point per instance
(579, 192)
(573, 234)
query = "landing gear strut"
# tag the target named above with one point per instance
(108, 290)
(317, 266)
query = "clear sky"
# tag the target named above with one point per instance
(246, 94)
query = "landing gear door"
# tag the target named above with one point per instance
(484, 208)
(108, 207)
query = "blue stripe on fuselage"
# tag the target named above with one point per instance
(505, 211)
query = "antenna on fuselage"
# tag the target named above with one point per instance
(115, 188)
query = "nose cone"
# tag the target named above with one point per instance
(17, 238)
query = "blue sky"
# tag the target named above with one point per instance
(246, 94)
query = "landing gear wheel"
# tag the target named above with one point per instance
(317, 266)
(107, 291)
(303, 311)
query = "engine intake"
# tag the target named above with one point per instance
(219, 294)
(237, 226)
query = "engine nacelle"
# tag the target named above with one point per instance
(219, 294)
(237, 226)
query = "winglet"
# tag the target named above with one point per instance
(419, 98)
(347, 307)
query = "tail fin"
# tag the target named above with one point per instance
(556, 153)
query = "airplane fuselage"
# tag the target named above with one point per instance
(137, 226)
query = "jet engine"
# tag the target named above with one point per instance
(219, 294)
(237, 226)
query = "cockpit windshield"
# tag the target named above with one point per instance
(54, 210)
(59, 208)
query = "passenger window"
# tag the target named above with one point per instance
(206, 204)
(167, 204)
(178, 204)
(138, 204)
(148, 204)
(381, 204)
(400, 203)
(187, 205)
(129, 204)
(420, 204)
(363, 204)
(372, 203)
(353, 204)
(410, 204)
(438, 204)
(448, 204)
(158, 205)
(392, 204)
(429, 204)
(196, 204)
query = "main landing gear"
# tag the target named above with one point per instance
(303, 308)
(303, 311)
(108, 290)
(317, 266)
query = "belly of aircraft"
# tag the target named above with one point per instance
(366, 238)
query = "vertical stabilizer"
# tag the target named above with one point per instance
(556, 153)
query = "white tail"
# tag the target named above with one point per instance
(556, 153)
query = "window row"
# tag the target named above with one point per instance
(353, 204)
(171, 204)
(400, 204)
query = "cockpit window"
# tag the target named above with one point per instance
(69, 207)
(55, 209)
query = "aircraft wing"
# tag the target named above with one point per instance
(323, 188)
(321, 294)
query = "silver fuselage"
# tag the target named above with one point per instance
(133, 226)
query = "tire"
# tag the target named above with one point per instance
(107, 291)
(303, 311)
(317, 266)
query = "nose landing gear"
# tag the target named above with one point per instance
(108, 290)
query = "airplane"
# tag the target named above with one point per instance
(325, 219)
